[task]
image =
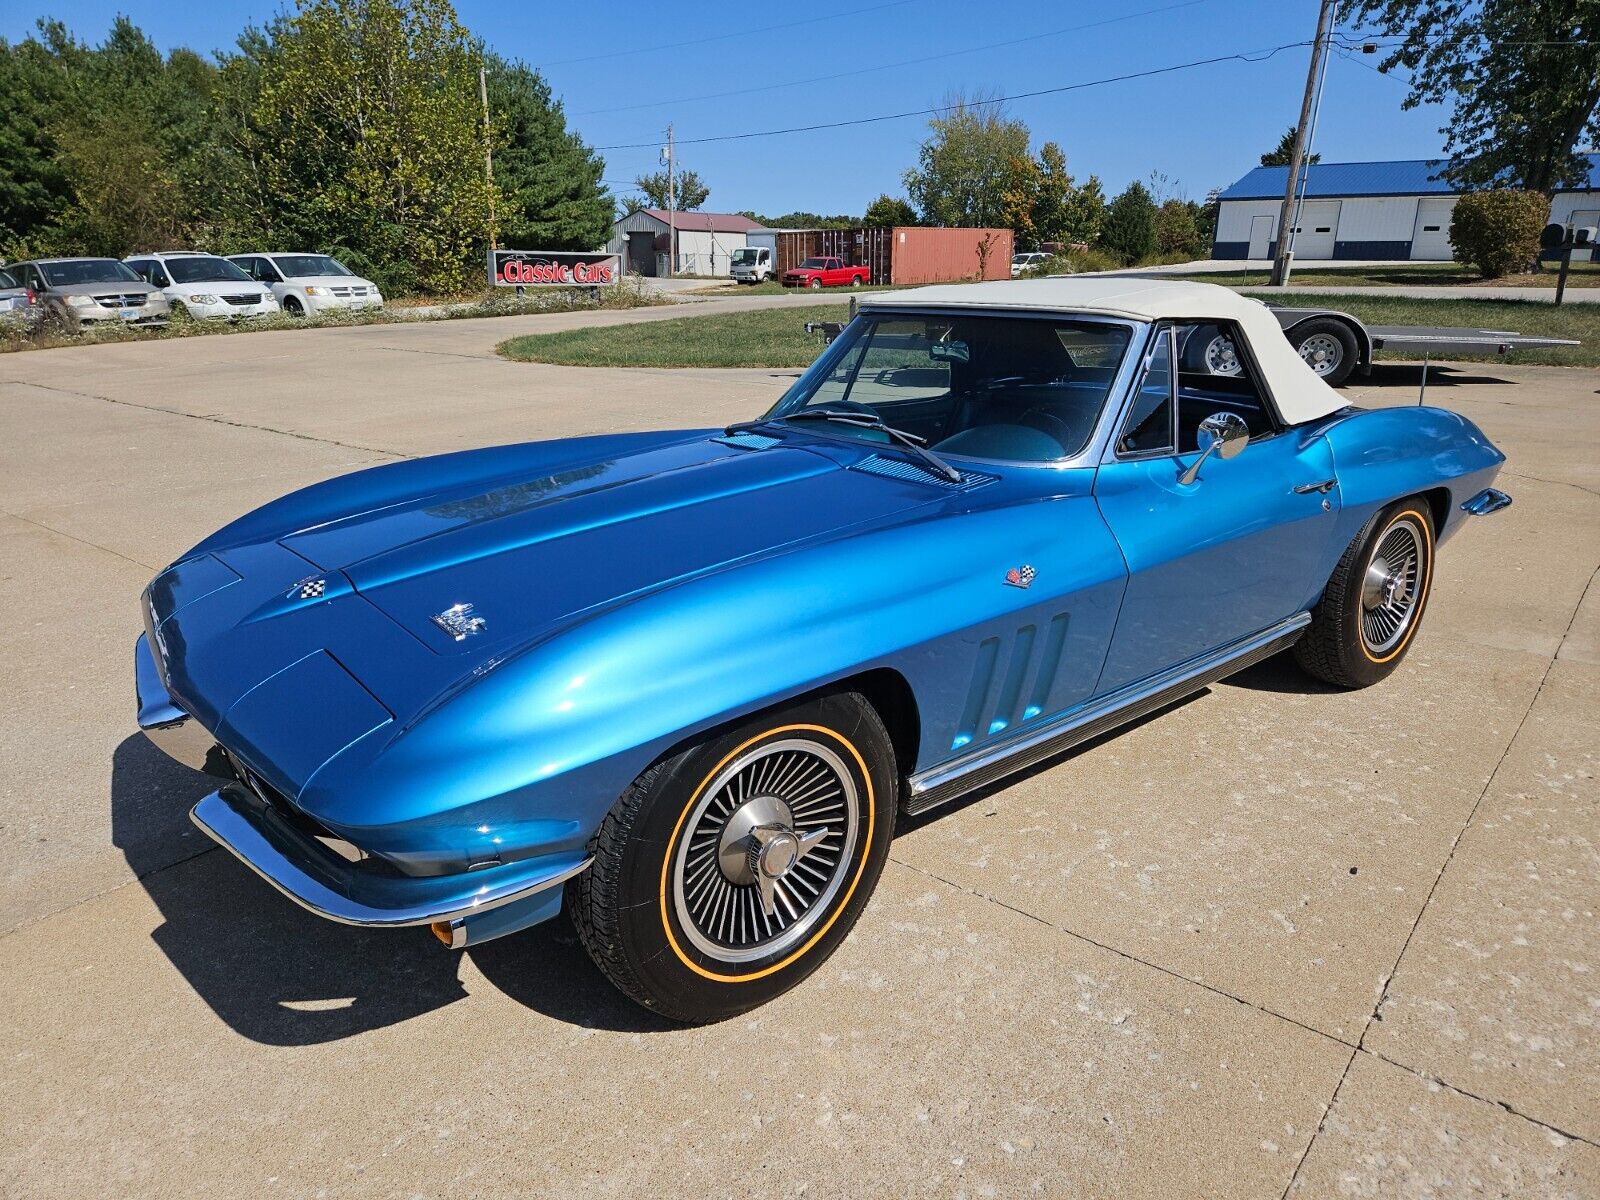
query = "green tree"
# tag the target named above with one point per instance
(691, 193)
(1523, 77)
(1280, 154)
(33, 186)
(366, 134)
(1176, 231)
(1129, 229)
(1019, 198)
(964, 165)
(1084, 212)
(549, 181)
(888, 211)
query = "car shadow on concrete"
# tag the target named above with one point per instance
(279, 975)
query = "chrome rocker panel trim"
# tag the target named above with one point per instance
(948, 781)
(340, 891)
(1490, 500)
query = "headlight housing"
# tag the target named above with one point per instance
(316, 291)
(201, 298)
(81, 301)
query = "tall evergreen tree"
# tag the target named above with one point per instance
(551, 197)
(1129, 229)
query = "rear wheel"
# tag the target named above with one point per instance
(729, 872)
(1328, 347)
(1370, 610)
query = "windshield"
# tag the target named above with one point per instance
(299, 266)
(86, 270)
(815, 264)
(743, 258)
(1019, 389)
(7, 279)
(203, 268)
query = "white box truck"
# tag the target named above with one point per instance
(757, 260)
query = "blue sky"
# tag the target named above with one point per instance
(1203, 128)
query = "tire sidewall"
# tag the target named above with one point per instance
(693, 985)
(1347, 343)
(1363, 664)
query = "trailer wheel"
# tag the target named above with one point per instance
(1328, 347)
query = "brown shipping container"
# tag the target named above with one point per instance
(949, 255)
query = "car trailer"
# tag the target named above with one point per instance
(1336, 344)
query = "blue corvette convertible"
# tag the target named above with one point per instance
(686, 682)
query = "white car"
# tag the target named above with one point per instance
(309, 283)
(1027, 261)
(204, 286)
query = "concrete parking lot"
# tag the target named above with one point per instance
(1275, 941)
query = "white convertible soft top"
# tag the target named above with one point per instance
(1299, 392)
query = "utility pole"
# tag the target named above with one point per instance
(1281, 264)
(672, 211)
(488, 158)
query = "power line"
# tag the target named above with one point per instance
(1253, 56)
(907, 62)
(722, 37)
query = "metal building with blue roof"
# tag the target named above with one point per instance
(1365, 210)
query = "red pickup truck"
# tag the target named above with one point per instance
(826, 272)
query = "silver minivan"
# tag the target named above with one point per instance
(85, 291)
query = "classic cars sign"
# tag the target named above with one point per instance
(552, 268)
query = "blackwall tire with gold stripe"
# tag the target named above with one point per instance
(730, 870)
(1372, 607)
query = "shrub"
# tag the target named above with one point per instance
(1498, 231)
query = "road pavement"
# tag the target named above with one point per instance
(1275, 941)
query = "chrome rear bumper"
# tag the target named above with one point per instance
(1490, 500)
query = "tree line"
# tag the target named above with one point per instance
(353, 127)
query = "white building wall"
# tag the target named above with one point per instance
(703, 252)
(1567, 203)
(1234, 217)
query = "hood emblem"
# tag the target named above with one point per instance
(1021, 576)
(459, 620)
(310, 588)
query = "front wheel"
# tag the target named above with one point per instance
(816, 285)
(728, 872)
(1370, 610)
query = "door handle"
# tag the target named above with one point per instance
(1324, 486)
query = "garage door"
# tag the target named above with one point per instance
(1319, 225)
(1430, 240)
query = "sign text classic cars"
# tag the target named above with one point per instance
(552, 268)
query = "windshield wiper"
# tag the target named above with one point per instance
(863, 420)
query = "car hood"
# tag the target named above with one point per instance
(529, 554)
(328, 281)
(113, 287)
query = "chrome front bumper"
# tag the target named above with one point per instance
(173, 730)
(331, 887)
(316, 878)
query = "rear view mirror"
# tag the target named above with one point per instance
(949, 351)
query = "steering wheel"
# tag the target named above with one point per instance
(1047, 422)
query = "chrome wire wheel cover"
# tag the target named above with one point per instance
(1322, 352)
(764, 851)
(1222, 357)
(1391, 588)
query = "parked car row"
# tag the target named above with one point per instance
(147, 289)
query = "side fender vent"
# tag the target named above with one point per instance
(894, 468)
(748, 441)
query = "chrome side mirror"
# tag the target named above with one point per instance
(1224, 433)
